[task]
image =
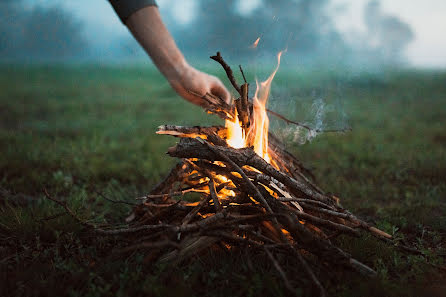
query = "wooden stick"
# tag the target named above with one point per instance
(245, 107)
(280, 270)
(214, 196)
(310, 272)
(172, 194)
(150, 245)
(193, 148)
(228, 70)
(234, 166)
(68, 210)
(243, 73)
(167, 183)
(194, 212)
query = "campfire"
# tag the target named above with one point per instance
(252, 192)
(249, 192)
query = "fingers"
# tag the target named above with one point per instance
(219, 90)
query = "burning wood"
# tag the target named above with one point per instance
(252, 192)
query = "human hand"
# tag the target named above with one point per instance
(189, 80)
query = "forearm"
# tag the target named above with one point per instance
(148, 28)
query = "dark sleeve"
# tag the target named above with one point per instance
(124, 8)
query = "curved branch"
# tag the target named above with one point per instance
(228, 70)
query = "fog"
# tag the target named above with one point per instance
(50, 31)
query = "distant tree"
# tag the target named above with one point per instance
(39, 33)
(386, 34)
(218, 26)
(301, 25)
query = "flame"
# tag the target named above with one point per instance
(256, 43)
(235, 137)
(258, 132)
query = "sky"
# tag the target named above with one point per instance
(427, 19)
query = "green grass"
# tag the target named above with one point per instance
(79, 130)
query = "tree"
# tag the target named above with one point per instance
(39, 33)
(387, 34)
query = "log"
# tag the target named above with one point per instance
(192, 148)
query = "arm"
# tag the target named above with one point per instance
(147, 27)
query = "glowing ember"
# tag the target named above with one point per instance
(256, 43)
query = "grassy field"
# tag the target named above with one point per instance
(77, 131)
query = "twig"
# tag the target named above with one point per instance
(173, 194)
(166, 184)
(310, 272)
(228, 70)
(214, 196)
(303, 200)
(194, 211)
(240, 171)
(49, 218)
(149, 245)
(280, 270)
(243, 74)
(362, 268)
(68, 210)
(114, 201)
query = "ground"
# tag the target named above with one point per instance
(83, 131)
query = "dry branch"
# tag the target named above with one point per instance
(228, 70)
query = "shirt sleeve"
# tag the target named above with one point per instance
(124, 8)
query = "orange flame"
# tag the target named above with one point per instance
(258, 131)
(235, 137)
(256, 43)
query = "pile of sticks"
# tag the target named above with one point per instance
(240, 200)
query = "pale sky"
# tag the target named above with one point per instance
(427, 19)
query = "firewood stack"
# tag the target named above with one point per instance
(243, 200)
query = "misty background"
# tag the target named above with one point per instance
(315, 32)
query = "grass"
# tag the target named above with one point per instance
(79, 130)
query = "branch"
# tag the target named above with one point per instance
(310, 272)
(228, 70)
(280, 270)
(68, 210)
(243, 74)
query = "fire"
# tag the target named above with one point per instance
(256, 43)
(258, 131)
(235, 137)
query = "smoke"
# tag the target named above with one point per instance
(316, 106)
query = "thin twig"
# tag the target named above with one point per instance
(228, 70)
(194, 211)
(243, 74)
(240, 171)
(68, 210)
(214, 196)
(280, 270)
(149, 245)
(115, 201)
(310, 272)
(173, 194)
